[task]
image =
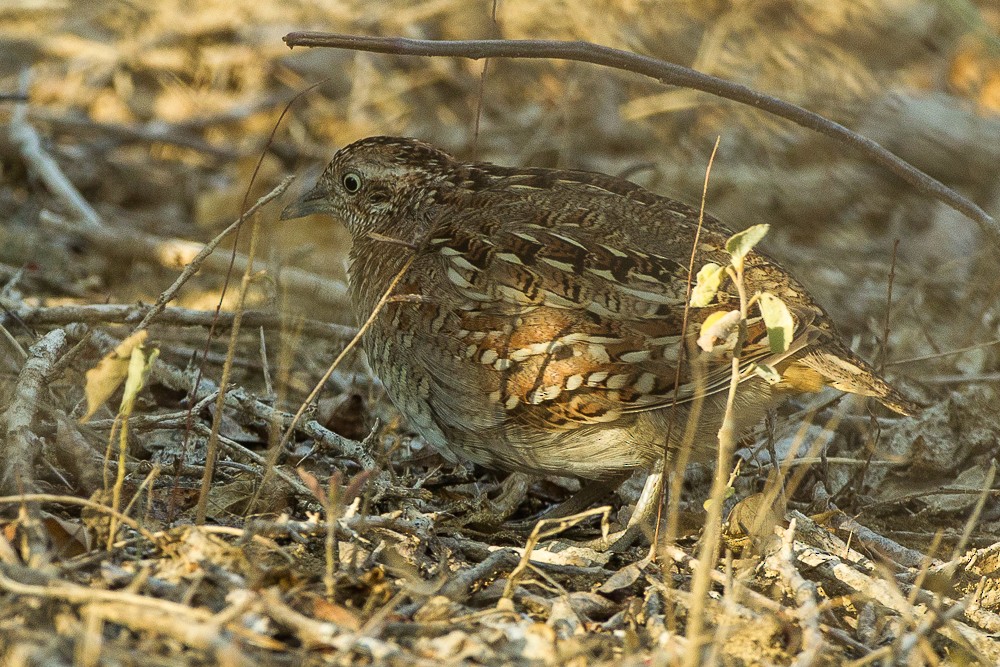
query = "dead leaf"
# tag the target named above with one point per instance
(624, 577)
(69, 538)
(104, 378)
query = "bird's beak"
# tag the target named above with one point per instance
(309, 203)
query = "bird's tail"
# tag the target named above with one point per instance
(839, 367)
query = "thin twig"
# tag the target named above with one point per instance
(174, 253)
(949, 353)
(83, 502)
(709, 543)
(884, 347)
(684, 451)
(113, 313)
(212, 447)
(548, 528)
(154, 132)
(350, 346)
(195, 263)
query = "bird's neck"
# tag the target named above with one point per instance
(375, 261)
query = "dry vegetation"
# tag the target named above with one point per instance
(158, 113)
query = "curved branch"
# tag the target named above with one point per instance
(666, 73)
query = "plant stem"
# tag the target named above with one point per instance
(711, 535)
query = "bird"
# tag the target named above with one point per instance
(535, 318)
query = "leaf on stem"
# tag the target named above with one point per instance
(741, 243)
(139, 366)
(706, 285)
(103, 379)
(779, 322)
(718, 326)
(768, 373)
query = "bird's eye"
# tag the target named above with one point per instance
(352, 182)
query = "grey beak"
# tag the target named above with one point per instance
(311, 202)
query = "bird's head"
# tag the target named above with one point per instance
(372, 183)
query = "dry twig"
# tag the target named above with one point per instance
(666, 73)
(47, 169)
(20, 445)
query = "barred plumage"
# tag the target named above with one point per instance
(545, 329)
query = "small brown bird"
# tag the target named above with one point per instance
(539, 325)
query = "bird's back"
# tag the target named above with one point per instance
(540, 325)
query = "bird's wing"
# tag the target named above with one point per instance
(579, 324)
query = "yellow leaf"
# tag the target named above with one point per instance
(717, 326)
(103, 379)
(138, 371)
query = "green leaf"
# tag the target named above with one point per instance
(779, 322)
(706, 285)
(740, 243)
(768, 373)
